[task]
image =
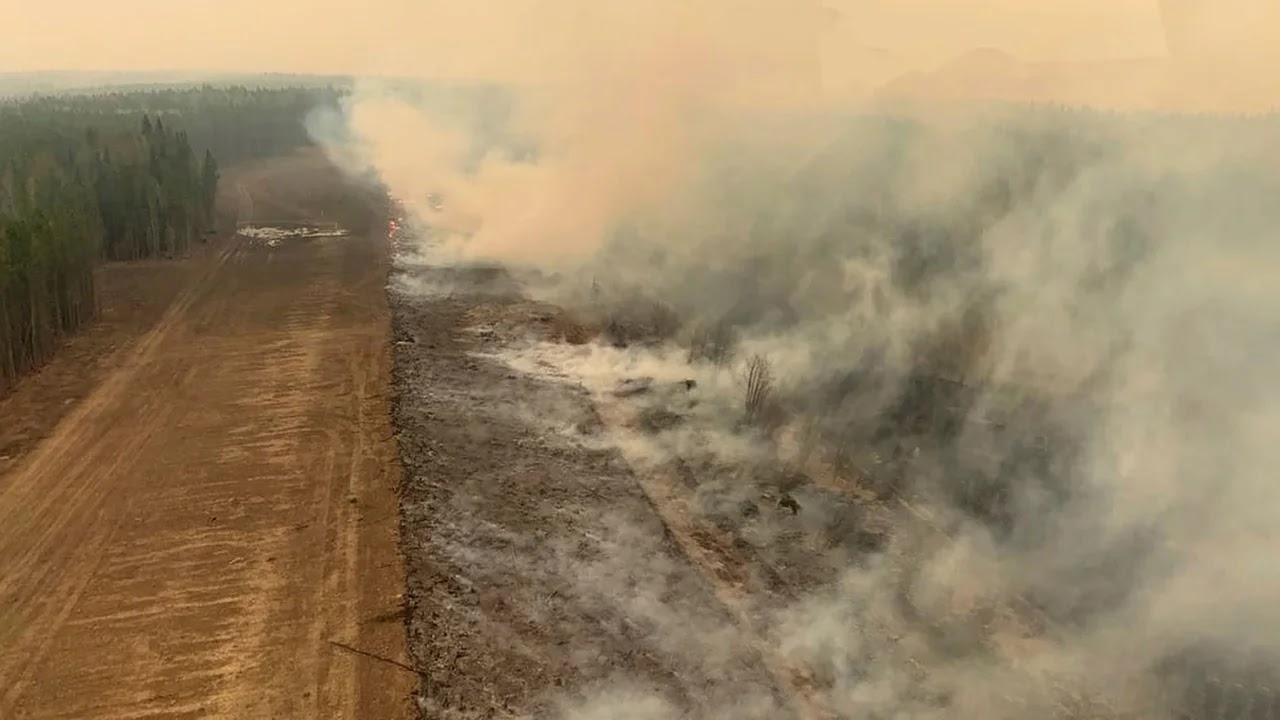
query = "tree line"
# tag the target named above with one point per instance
(113, 176)
(233, 122)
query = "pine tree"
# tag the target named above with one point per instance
(208, 186)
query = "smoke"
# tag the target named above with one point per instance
(612, 127)
(1085, 298)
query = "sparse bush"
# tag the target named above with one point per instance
(842, 460)
(654, 420)
(640, 321)
(810, 437)
(663, 320)
(713, 343)
(568, 329)
(758, 377)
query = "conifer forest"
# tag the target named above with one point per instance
(115, 176)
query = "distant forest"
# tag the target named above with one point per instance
(115, 176)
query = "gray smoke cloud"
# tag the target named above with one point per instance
(1087, 297)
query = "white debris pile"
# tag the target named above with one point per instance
(273, 236)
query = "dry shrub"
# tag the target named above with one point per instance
(487, 314)
(664, 321)
(845, 467)
(568, 329)
(760, 406)
(640, 322)
(773, 418)
(713, 343)
(545, 321)
(654, 420)
(809, 437)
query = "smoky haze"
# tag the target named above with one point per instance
(1112, 269)
(450, 39)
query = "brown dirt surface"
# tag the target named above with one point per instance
(198, 515)
(133, 296)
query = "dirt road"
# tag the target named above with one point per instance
(211, 532)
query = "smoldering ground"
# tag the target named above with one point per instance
(1050, 331)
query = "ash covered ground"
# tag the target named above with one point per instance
(538, 569)
(988, 442)
(596, 526)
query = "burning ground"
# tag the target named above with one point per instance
(973, 444)
(938, 411)
(538, 569)
(605, 518)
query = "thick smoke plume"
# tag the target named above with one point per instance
(1096, 289)
(614, 105)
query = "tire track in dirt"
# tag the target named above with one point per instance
(190, 539)
(63, 484)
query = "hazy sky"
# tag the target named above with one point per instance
(338, 36)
